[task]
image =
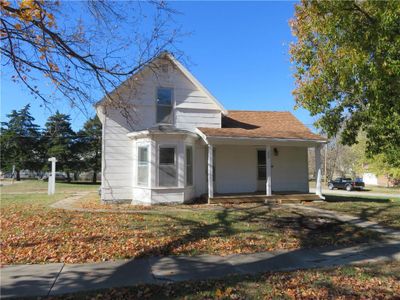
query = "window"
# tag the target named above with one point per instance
(143, 166)
(189, 165)
(167, 167)
(261, 165)
(164, 106)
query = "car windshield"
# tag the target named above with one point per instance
(346, 179)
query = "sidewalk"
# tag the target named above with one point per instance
(54, 279)
(356, 193)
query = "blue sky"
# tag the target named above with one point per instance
(238, 50)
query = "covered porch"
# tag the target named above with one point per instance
(261, 171)
(260, 156)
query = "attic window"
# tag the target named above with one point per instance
(164, 106)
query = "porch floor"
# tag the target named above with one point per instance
(260, 197)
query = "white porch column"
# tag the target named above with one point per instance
(268, 170)
(52, 178)
(318, 171)
(210, 173)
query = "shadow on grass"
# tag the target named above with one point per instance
(83, 183)
(336, 198)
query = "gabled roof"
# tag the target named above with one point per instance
(185, 72)
(262, 124)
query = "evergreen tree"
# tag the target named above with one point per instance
(59, 138)
(89, 146)
(20, 142)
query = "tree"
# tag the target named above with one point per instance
(59, 138)
(20, 142)
(89, 146)
(347, 60)
(47, 39)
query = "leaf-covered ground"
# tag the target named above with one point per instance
(375, 281)
(34, 233)
(384, 211)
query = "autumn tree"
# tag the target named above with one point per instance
(19, 142)
(83, 48)
(88, 144)
(60, 139)
(347, 70)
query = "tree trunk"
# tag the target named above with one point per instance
(94, 178)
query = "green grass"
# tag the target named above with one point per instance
(35, 192)
(385, 211)
(371, 281)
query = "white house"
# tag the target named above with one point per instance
(172, 141)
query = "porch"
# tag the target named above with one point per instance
(251, 172)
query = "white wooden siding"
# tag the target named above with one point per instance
(192, 108)
(236, 169)
(290, 169)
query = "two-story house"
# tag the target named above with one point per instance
(171, 141)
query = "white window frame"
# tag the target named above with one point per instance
(186, 165)
(172, 105)
(138, 146)
(175, 147)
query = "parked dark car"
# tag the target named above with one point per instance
(59, 177)
(346, 184)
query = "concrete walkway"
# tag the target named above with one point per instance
(54, 279)
(356, 221)
(356, 193)
(69, 202)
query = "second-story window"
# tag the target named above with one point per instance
(164, 106)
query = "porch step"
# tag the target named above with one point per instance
(237, 200)
(280, 199)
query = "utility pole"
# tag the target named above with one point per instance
(325, 159)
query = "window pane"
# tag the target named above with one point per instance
(261, 173)
(261, 157)
(189, 165)
(167, 156)
(164, 114)
(142, 156)
(189, 175)
(143, 175)
(164, 96)
(167, 175)
(143, 166)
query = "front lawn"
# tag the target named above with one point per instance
(374, 281)
(32, 232)
(384, 211)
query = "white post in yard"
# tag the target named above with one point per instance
(210, 173)
(52, 179)
(318, 173)
(268, 170)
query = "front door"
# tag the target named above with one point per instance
(261, 170)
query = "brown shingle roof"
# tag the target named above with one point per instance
(261, 124)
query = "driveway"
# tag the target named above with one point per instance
(356, 193)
